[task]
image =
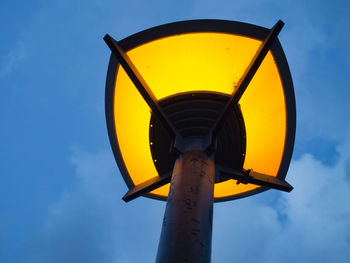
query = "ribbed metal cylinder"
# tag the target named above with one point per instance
(187, 226)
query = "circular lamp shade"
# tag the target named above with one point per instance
(202, 57)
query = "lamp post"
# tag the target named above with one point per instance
(207, 105)
(188, 219)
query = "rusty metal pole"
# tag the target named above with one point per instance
(187, 225)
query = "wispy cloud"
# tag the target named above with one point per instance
(12, 60)
(90, 222)
(310, 224)
(318, 58)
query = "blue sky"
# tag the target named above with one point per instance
(60, 191)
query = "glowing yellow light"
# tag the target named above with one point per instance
(201, 62)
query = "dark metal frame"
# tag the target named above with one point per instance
(221, 26)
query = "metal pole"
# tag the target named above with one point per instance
(188, 218)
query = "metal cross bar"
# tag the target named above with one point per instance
(253, 177)
(140, 84)
(147, 187)
(247, 76)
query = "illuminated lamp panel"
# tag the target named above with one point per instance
(162, 191)
(264, 113)
(194, 62)
(178, 64)
(132, 116)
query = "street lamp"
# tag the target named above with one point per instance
(207, 105)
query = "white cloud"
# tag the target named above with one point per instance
(90, 222)
(310, 224)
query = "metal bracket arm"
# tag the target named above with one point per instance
(252, 177)
(147, 186)
(247, 76)
(139, 83)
